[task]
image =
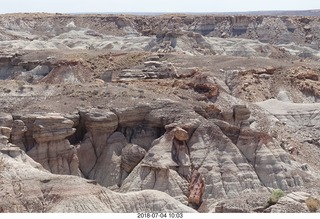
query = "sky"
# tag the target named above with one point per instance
(82, 6)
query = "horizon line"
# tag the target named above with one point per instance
(167, 12)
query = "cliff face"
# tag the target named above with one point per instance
(174, 112)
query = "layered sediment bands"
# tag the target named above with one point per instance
(209, 111)
(194, 160)
(255, 158)
(5, 127)
(230, 157)
(248, 36)
(166, 167)
(293, 114)
(225, 171)
(131, 116)
(271, 29)
(100, 124)
(51, 127)
(27, 188)
(52, 149)
(271, 163)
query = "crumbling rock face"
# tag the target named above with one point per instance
(100, 152)
(86, 154)
(248, 153)
(100, 124)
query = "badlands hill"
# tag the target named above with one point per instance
(170, 113)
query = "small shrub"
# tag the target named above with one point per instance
(6, 90)
(275, 196)
(313, 204)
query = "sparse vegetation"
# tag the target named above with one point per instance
(313, 204)
(6, 90)
(275, 196)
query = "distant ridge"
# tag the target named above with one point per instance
(313, 12)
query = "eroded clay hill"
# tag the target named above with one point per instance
(170, 113)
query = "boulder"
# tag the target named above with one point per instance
(131, 155)
(181, 134)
